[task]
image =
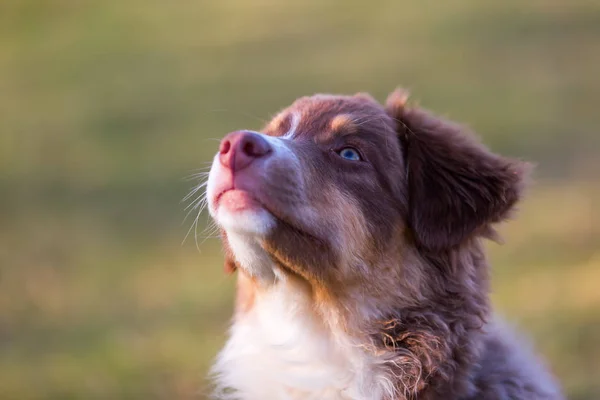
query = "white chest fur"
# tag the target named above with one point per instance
(280, 350)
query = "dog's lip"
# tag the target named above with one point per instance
(220, 194)
(263, 204)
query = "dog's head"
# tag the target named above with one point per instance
(342, 192)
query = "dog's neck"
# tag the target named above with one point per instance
(287, 343)
(281, 347)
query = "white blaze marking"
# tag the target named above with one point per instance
(294, 125)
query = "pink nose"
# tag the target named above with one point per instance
(238, 149)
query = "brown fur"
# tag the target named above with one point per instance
(400, 233)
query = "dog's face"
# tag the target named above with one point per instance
(321, 189)
(338, 190)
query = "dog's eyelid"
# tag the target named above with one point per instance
(356, 141)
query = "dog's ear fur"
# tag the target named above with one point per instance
(456, 187)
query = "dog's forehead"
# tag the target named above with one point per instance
(327, 114)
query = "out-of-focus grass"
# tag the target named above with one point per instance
(106, 106)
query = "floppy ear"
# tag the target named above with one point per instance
(456, 187)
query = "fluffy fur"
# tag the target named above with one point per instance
(366, 279)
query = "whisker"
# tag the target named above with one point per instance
(198, 206)
(187, 234)
(198, 202)
(188, 214)
(190, 194)
(198, 176)
(194, 225)
(212, 229)
(206, 165)
(204, 171)
(196, 232)
(194, 191)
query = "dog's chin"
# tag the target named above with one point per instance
(261, 239)
(238, 213)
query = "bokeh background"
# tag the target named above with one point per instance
(106, 106)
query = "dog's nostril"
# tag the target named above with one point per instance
(225, 147)
(248, 148)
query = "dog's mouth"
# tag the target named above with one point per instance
(238, 200)
(235, 200)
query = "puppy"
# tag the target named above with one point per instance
(356, 231)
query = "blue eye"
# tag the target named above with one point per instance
(349, 153)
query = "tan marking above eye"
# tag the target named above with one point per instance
(343, 122)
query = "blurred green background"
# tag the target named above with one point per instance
(105, 106)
